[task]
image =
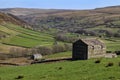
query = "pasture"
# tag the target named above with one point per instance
(16, 36)
(21, 37)
(62, 70)
(65, 70)
(112, 44)
(24, 37)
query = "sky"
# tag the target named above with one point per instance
(58, 4)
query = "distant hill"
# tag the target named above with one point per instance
(10, 18)
(30, 11)
(96, 22)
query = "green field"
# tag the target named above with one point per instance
(24, 37)
(112, 44)
(59, 55)
(63, 70)
(21, 37)
(67, 70)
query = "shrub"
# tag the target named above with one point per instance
(41, 50)
(63, 37)
(68, 47)
(19, 52)
(110, 64)
(58, 48)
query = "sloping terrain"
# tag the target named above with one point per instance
(9, 18)
(13, 32)
(100, 21)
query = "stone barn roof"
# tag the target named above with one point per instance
(92, 42)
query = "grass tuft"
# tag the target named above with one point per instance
(20, 77)
(110, 64)
(98, 61)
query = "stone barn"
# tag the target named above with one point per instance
(84, 49)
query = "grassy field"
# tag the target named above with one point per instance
(19, 36)
(113, 44)
(63, 70)
(24, 37)
(67, 70)
(59, 55)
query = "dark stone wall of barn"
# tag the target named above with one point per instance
(80, 51)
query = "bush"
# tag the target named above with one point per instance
(41, 50)
(61, 48)
(68, 47)
(63, 37)
(58, 48)
(110, 64)
(19, 52)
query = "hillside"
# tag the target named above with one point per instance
(9, 18)
(100, 21)
(13, 33)
(53, 31)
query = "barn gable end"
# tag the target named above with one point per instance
(79, 50)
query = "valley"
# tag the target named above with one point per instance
(25, 32)
(96, 22)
